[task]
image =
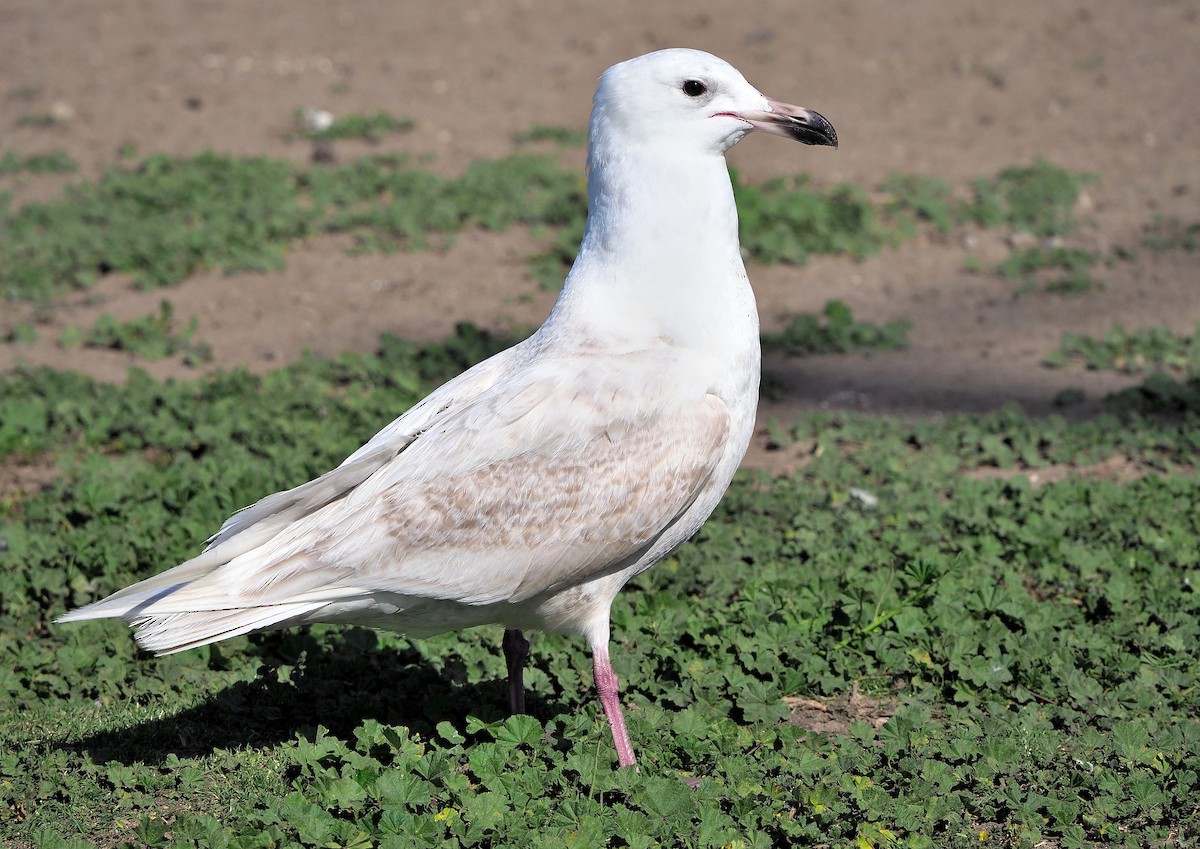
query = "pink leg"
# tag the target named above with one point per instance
(610, 697)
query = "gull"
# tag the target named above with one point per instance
(529, 489)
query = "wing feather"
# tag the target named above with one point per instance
(277, 511)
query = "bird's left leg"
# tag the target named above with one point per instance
(516, 653)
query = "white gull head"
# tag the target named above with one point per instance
(690, 99)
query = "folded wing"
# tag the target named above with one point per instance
(535, 484)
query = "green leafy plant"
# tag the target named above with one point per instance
(1039, 199)
(784, 220)
(561, 136)
(54, 162)
(158, 222)
(1159, 393)
(22, 333)
(1024, 264)
(151, 337)
(41, 120)
(836, 331)
(922, 199)
(71, 337)
(370, 127)
(1131, 351)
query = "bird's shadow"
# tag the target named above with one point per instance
(337, 686)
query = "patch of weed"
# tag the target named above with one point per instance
(41, 120)
(785, 220)
(1159, 393)
(1029, 260)
(387, 204)
(551, 266)
(71, 337)
(54, 162)
(151, 337)
(1029, 264)
(561, 136)
(22, 333)
(1131, 351)
(1170, 361)
(1038, 199)
(158, 222)
(916, 198)
(835, 331)
(370, 127)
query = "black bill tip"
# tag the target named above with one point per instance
(811, 128)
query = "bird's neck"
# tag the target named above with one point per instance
(660, 258)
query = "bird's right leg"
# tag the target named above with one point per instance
(608, 687)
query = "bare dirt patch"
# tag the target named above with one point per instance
(1117, 468)
(834, 716)
(25, 476)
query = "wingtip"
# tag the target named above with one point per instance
(82, 614)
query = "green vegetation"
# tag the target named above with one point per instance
(71, 337)
(1171, 362)
(365, 127)
(834, 332)
(164, 218)
(42, 120)
(784, 220)
(388, 204)
(157, 222)
(55, 162)
(22, 333)
(1159, 393)
(151, 337)
(561, 136)
(1038, 199)
(1131, 351)
(1032, 646)
(1024, 263)
(922, 199)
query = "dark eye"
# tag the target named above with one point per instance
(694, 88)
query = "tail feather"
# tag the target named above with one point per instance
(188, 606)
(125, 607)
(127, 603)
(250, 530)
(175, 632)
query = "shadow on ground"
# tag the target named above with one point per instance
(921, 383)
(303, 684)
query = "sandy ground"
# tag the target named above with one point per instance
(951, 90)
